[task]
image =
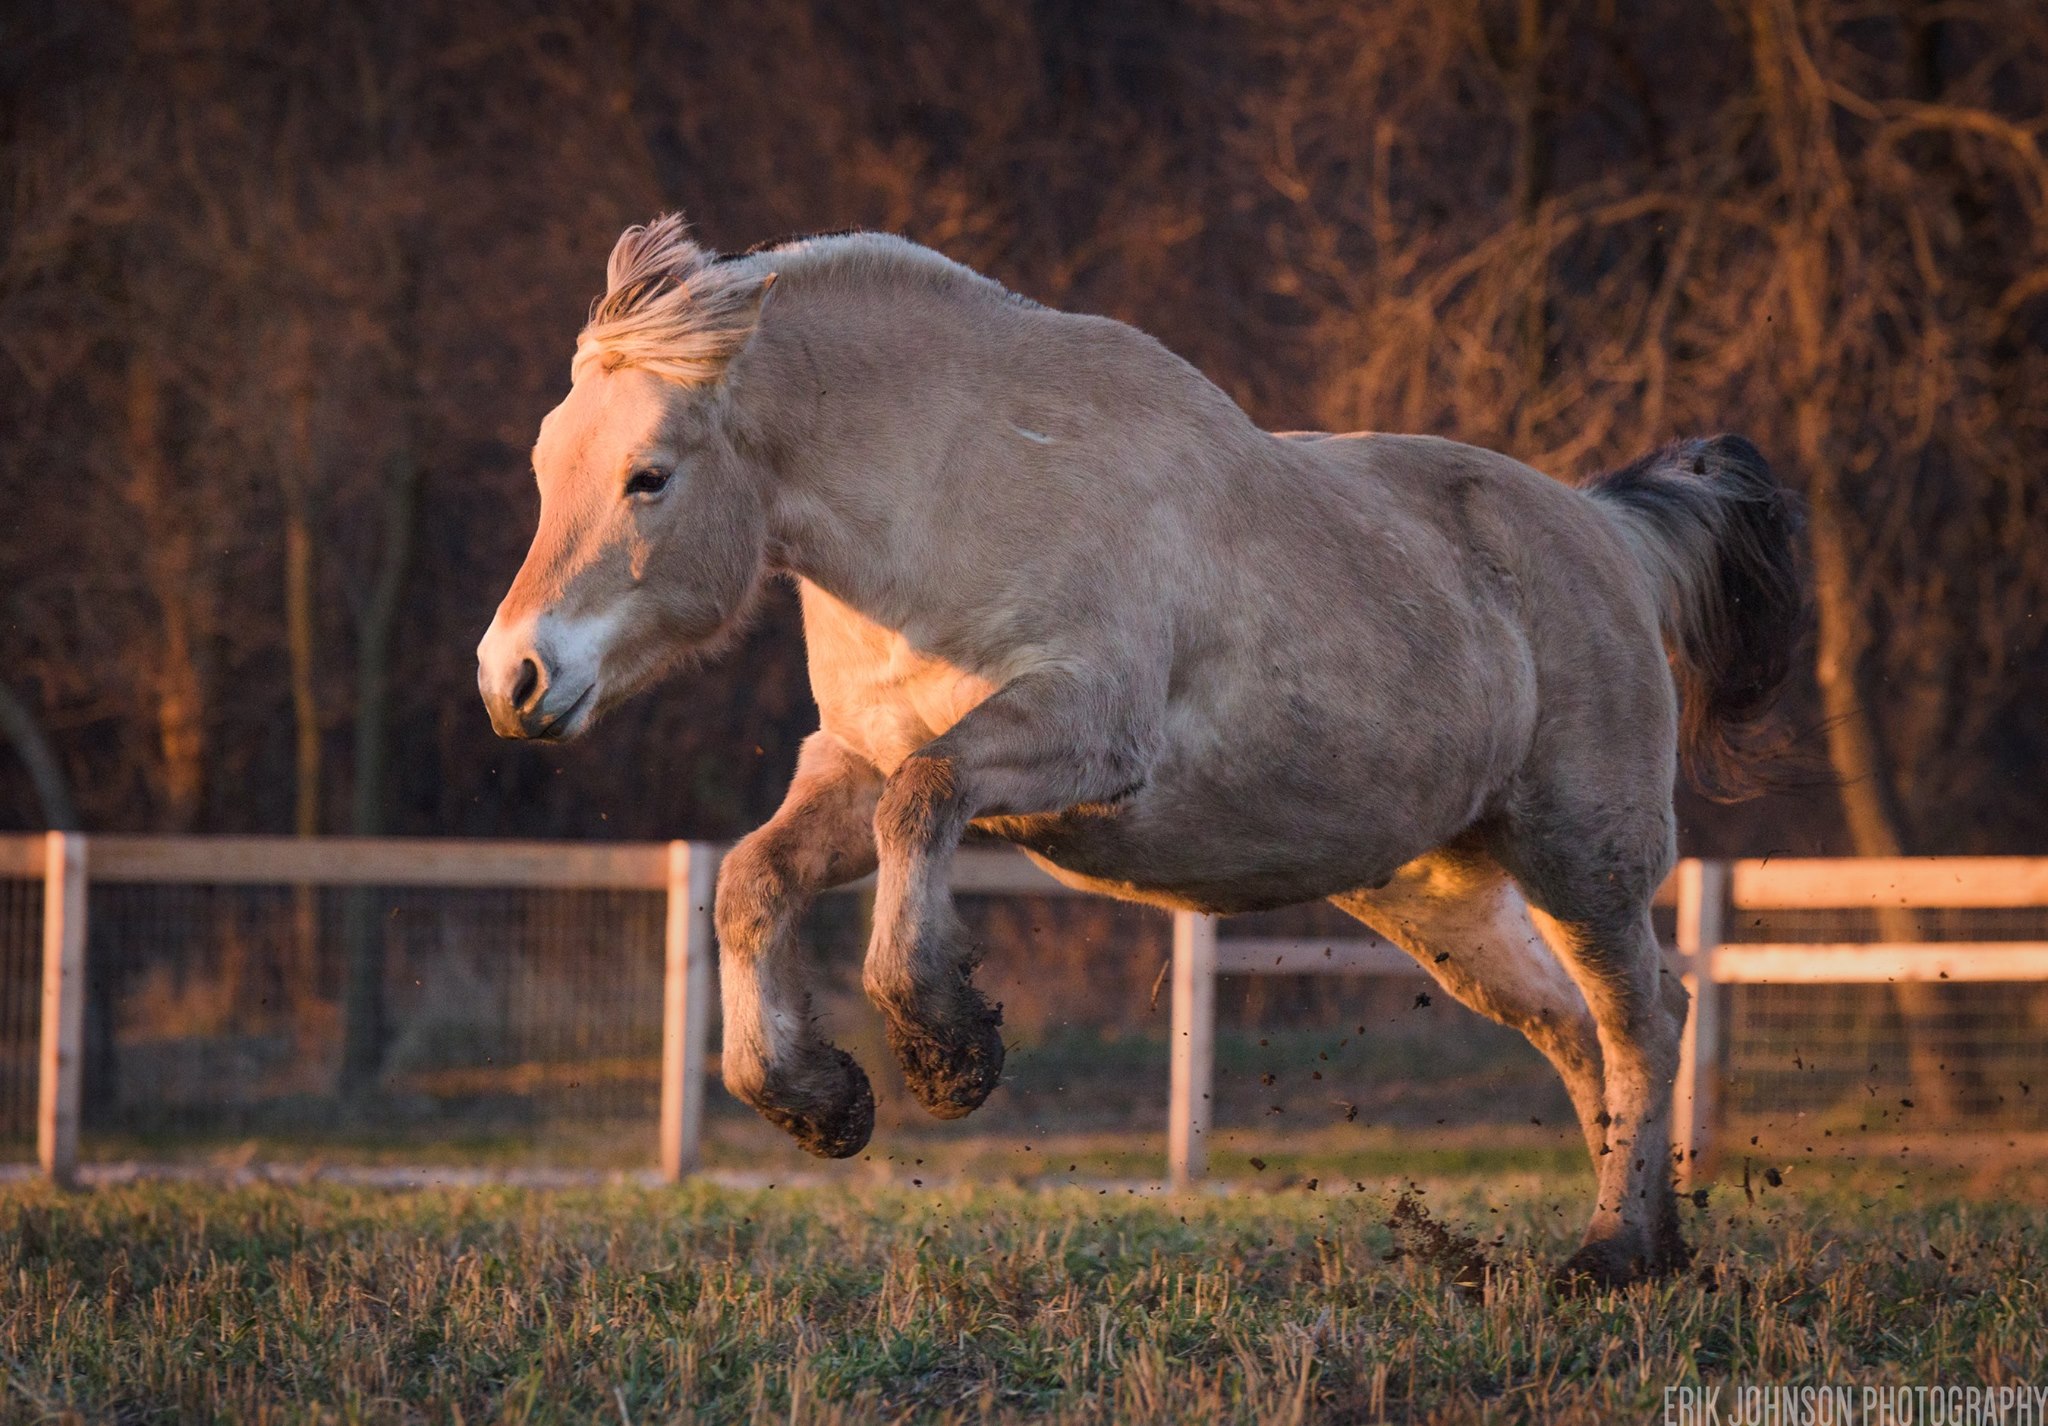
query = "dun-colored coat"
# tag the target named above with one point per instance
(1057, 586)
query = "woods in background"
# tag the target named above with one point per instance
(284, 291)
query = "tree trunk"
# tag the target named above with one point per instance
(298, 479)
(1532, 120)
(383, 68)
(24, 731)
(168, 567)
(367, 811)
(1859, 766)
(1798, 112)
(366, 1027)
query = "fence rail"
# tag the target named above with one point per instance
(1707, 896)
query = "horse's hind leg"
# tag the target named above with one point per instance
(1590, 876)
(773, 1057)
(1465, 923)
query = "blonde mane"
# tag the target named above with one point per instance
(669, 306)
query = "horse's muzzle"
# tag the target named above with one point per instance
(521, 693)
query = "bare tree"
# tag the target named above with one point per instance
(290, 289)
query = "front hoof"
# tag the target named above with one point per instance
(952, 1067)
(834, 1115)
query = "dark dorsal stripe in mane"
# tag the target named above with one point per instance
(786, 240)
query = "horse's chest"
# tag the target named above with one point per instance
(878, 694)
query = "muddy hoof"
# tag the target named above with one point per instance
(1612, 1263)
(833, 1119)
(1597, 1266)
(952, 1068)
(1674, 1254)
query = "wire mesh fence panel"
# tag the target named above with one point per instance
(1087, 1014)
(425, 1023)
(507, 1017)
(1905, 1056)
(21, 986)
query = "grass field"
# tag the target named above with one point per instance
(862, 1301)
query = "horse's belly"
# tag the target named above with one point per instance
(1272, 816)
(1217, 865)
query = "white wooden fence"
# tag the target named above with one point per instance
(66, 862)
(1711, 893)
(1706, 894)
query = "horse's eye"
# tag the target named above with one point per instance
(646, 482)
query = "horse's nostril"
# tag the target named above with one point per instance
(527, 684)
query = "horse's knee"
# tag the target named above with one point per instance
(916, 802)
(753, 885)
(1662, 1025)
(1567, 1037)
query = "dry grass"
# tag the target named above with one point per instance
(960, 1303)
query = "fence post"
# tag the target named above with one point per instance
(63, 1028)
(686, 1004)
(1194, 1047)
(1702, 923)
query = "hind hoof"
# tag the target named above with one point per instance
(1612, 1263)
(1596, 1267)
(952, 1069)
(838, 1118)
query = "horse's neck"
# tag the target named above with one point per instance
(857, 476)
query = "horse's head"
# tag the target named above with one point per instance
(652, 525)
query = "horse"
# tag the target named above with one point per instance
(1057, 586)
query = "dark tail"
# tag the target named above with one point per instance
(1712, 525)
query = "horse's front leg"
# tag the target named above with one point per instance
(773, 1056)
(1042, 743)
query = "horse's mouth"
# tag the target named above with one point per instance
(567, 723)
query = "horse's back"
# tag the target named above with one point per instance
(1537, 546)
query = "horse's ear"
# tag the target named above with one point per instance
(727, 314)
(744, 306)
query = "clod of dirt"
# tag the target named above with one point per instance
(1419, 1236)
(1712, 1277)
